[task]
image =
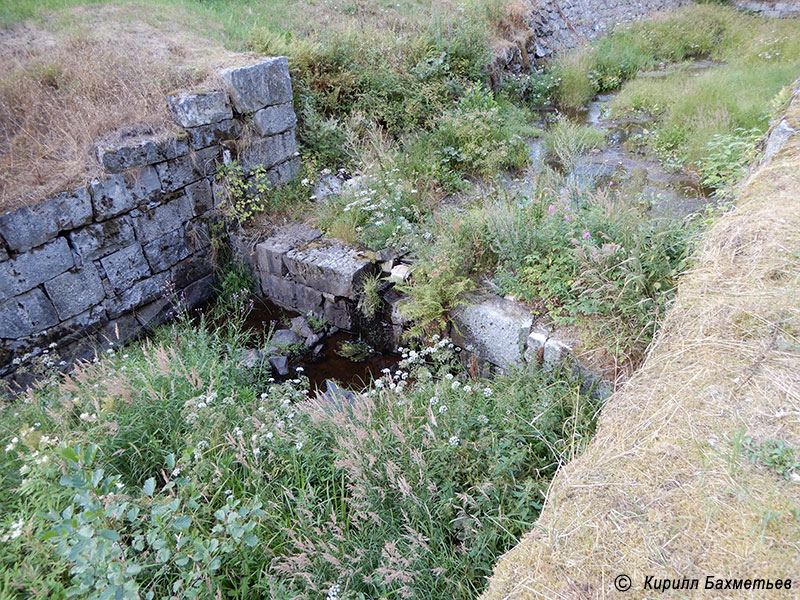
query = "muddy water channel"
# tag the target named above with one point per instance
(325, 361)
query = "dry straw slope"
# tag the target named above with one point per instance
(83, 73)
(664, 488)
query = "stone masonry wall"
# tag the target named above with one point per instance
(90, 266)
(558, 25)
(769, 8)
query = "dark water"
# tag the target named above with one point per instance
(327, 365)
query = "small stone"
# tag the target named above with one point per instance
(194, 110)
(400, 273)
(255, 86)
(250, 359)
(284, 338)
(328, 185)
(280, 365)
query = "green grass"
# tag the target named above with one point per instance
(413, 491)
(706, 120)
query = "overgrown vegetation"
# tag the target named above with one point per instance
(698, 121)
(166, 469)
(595, 259)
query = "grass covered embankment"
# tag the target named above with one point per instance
(693, 470)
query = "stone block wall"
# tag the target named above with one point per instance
(770, 8)
(558, 25)
(95, 264)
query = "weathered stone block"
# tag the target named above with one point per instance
(198, 235)
(545, 350)
(191, 269)
(101, 239)
(199, 291)
(256, 86)
(214, 133)
(119, 158)
(153, 314)
(27, 314)
(275, 119)
(278, 289)
(175, 174)
(138, 294)
(339, 312)
(270, 151)
(194, 110)
(167, 250)
(270, 252)
(284, 172)
(496, 330)
(31, 226)
(126, 266)
(74, 292)
(119, 193)
(36, 266)
(307, 300)
(162, 219)
(119, 332)
(328, 266)
(200, 196)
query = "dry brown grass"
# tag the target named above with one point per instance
(63, 87)
(664, 489)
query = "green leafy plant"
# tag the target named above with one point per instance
(774, 454)
(244, 194)
(370, 300)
